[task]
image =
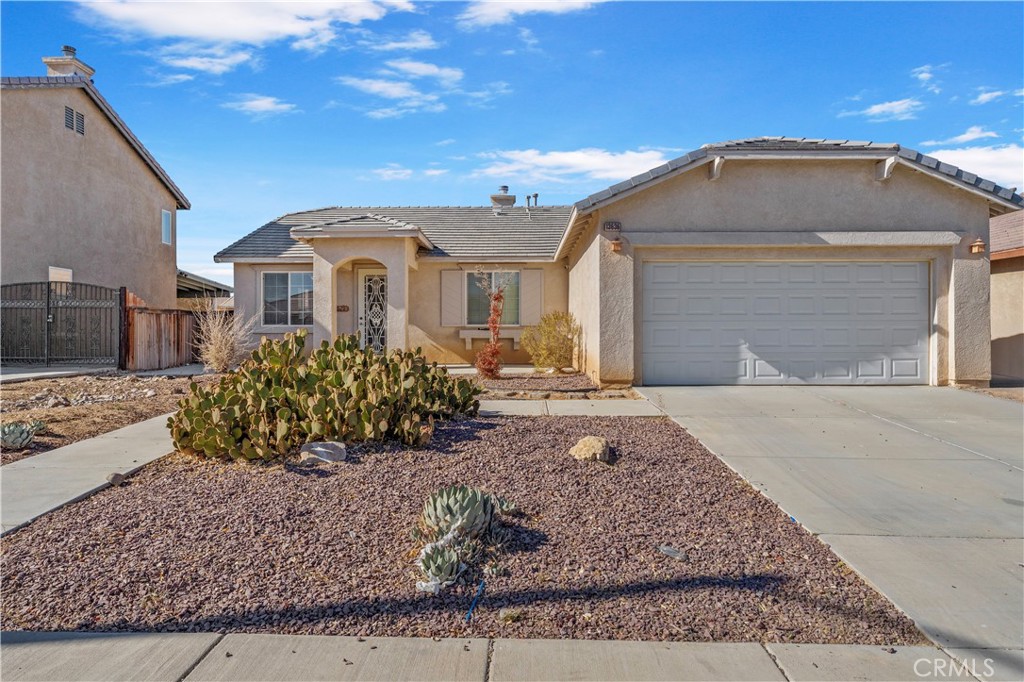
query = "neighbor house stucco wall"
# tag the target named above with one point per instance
(422, 314)
(794, 197)
(1008, 319)
(85, 202)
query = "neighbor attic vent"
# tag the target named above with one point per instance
(74, 120)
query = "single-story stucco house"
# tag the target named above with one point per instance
(762, 261)
(1007, 232)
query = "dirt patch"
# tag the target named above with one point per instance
(547, 387)
(200, 546)
(76, 408)
(1005, 392)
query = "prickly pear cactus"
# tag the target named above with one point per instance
(282, 397)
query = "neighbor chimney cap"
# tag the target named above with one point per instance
(68, 64)
(503, 189)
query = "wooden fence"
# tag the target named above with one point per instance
(156, 339)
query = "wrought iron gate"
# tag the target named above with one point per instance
(60, 322)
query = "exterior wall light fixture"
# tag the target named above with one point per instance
(616, 244)
(978, 246)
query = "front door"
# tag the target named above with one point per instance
(373, 308)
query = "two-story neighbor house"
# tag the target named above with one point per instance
(82, 198)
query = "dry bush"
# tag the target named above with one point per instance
(223, 339)
(553, 342)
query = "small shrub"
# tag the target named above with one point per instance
(223, 339)
(488, 361)
(553, 342)
(279, 399)
(19, 435)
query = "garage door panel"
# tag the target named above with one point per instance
(785, 323)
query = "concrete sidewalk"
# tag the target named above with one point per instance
(284, 658)
(570, 408)
(918, 489)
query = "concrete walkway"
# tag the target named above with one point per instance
(18, 373)
(39, 484)
(284, 658)
(570, 407)
(921, 490)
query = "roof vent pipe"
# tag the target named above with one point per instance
(68, 51)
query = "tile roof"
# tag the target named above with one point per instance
(455, 231)
(1006, 232)
(41, 82)
(804, 145)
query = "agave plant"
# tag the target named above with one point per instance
(440, 565)
(470, 511)
(19, 435)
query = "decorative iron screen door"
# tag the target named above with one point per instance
(373, 309)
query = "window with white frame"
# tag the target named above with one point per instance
(288, 298)
(478, 304)
(165, 226)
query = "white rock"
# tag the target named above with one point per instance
(591, 448)
(323, 452)
(150, 393)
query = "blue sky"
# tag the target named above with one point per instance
(259, 109)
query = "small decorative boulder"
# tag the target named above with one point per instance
(314, 453)
(591, 448)
(116, 478)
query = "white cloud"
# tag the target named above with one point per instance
(971, 134)
(160, 80)
(255, 23)
(561, 166)
(925, 75)
(414, 40)
(393, 171)
(489, 92)
(216, 37)
(985, 96)
(213, 60)
(434, 172)
(260, 106)
(447, 76)
(897, 110)
(491, 12)
(445, 142)
(1003, 164)
(407, 98)
(1018, 93)
(383, 88)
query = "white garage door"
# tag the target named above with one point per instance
(785, 323)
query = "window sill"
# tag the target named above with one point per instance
(469, 334)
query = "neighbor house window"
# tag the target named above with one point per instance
(288, 298)
(478, 303)
(60, 274)
(165, 227)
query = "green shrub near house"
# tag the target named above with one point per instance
(279, 399)
(553, 342)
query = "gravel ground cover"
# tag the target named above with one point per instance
(76, 408)
(193, 545)
(540, 382)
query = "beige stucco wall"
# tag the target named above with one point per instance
(584, 299)
(422, 316)
(85, 202)
(1008, 319)
(791, 196)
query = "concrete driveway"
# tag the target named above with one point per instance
(920, 489)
